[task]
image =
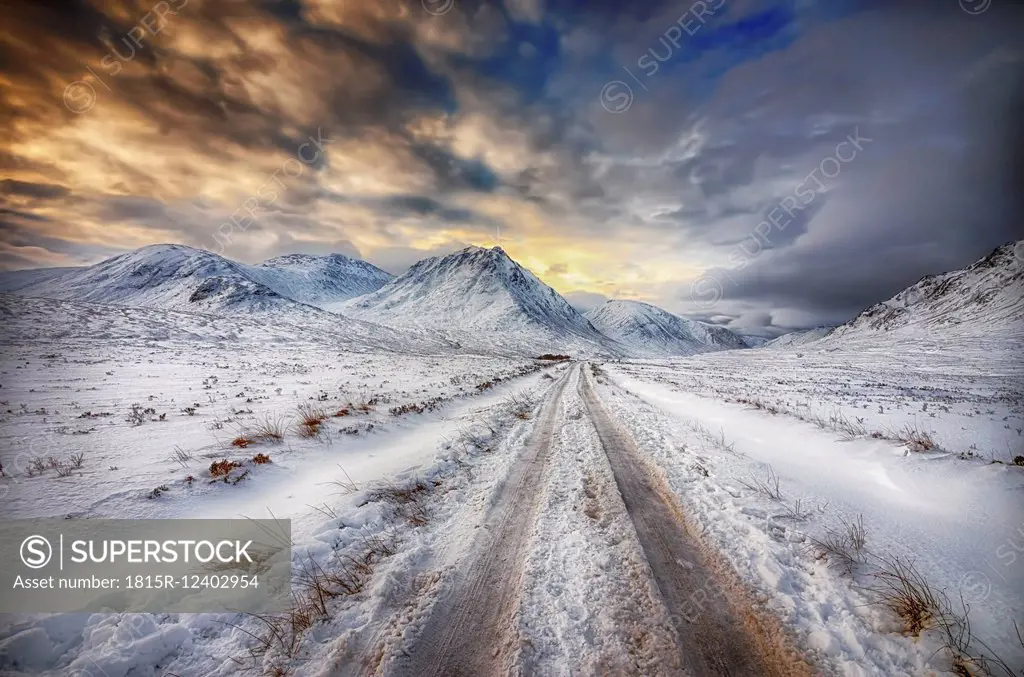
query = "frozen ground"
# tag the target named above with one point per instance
(148, 416)
(120, 413)
(498, 515)
(968, 397)
(832, 427)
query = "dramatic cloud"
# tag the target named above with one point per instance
(766, 165)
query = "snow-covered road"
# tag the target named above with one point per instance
(474, 630)
(731, 637)
(473, 633)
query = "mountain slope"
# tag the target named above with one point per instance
(321, 281)
(484, 299)
(172, 277)
(798, 338)
(33, 320)
(176, 277)
(986, 297)
(649, 331)
(753, 340)
(179, 278)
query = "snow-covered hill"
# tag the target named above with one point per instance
(485, 300)
(797, 338)
(753, 340)
(984, 298)
(649, 331)
(322, 281)
(170, 277)
(176, 277)
(40, 320)
(186, 280)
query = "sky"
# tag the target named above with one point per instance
(763, 165)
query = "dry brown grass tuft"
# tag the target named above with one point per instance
(269, 429)
(407, 499)
(769, 486)
(311, 419)
(223, 467)
(314, 586)
(843, 547)
(261, 459)
(755, 403)
(903, 590)
(520, 405)
(916, 440)
(898, 586)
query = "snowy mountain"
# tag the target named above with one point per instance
(753, 340)
(483, 299)
(985, 297)
(322, 281)
(176, 277)
(171, 277)
(649, 331)
(187, 280)
(798, 338)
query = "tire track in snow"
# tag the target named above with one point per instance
(589, 604)
(730, 639)
(474, 633)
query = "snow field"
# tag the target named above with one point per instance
(187, 408)
(969, 401)
(309, 480)
(948, 516)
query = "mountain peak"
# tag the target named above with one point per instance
(487, 296)
(654, 331)
(174, 276)
(155, 249)
(310, 258)
(476, 250)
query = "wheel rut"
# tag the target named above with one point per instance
(473, 633)
(721, 634)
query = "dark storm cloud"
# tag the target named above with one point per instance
(12, 216)
(20, 235)
(934, 90)
(453, 172)
(197, 99)
(420, 205)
